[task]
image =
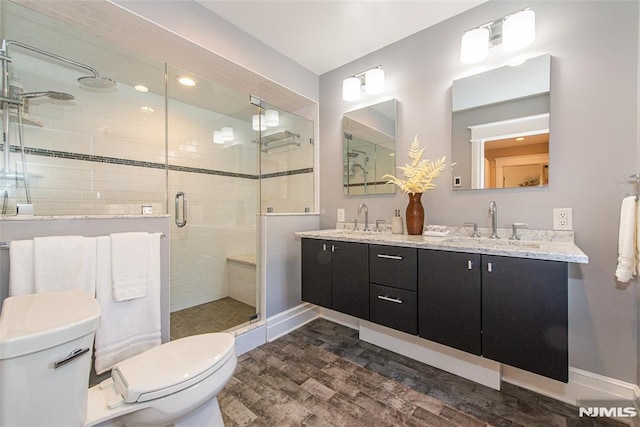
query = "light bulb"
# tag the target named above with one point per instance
(374, 81)
(272, 118)
(474, 46)
(518, 30)
(258, 122)
(217, 137)
(351, 87)
(227, 133)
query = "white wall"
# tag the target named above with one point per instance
(593, 150)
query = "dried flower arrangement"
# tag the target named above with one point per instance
(419, 174)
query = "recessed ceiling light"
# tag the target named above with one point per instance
(147, 109)
(141, 88)
(186, 81)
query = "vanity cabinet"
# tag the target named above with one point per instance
(525, 314)
(393, 296)
(508, 309)
(335, 275)
(449, 292)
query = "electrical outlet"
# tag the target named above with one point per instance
(340, 215)
(563, 219)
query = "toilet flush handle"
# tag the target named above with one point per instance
(73, 355)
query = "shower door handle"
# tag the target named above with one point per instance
(184, 209)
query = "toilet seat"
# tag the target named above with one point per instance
(171, 367)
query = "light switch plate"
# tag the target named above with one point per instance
(340, 215)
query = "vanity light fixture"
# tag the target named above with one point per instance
(370, 81)
(515, 31)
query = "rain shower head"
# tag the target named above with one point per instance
(97, 82)
(58, 96)
(93, 82)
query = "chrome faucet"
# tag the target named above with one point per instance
(493, 211)
(366, 215)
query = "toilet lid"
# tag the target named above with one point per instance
(172, 366)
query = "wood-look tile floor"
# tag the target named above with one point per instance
(323, 375)
(214, 316)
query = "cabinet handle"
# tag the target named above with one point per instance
(334, 248)
(469, 265)
(386, 298)
(324, 246)
(489, 267)
(390, 256)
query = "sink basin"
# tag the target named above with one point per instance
(493, 243)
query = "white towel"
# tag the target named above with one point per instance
(21, 267)
(129, 327)
(64, 263)
(130, 265)
(627, 240)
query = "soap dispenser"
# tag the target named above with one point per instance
(396, 223)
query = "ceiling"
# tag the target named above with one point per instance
(324, 35)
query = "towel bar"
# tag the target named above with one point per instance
(7, 244)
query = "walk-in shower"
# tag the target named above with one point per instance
(13, 98)
(128, 152)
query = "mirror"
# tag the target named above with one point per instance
(369, 149)
(500, 127)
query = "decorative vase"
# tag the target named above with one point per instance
(415, 215)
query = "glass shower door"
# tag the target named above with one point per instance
(213, 182)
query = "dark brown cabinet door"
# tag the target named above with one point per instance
(449, 299)
(316, 272)
(525, 314)
(350, 278)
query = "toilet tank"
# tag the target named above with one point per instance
(46, 342)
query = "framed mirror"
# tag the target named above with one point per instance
(369, 149)
(500, 127)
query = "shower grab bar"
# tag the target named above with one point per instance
(184, 209)
(7, 244)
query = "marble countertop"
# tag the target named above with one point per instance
(73, 217)
(546, 246)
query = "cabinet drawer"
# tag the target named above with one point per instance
(394, 308)
(393, 266)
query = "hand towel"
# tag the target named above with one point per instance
(130, 265)
(64, 263)
(21, 267)
(627, 240)
(128, 327)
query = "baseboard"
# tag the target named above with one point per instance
(251, 337)
(290, 320)
(582, 385)
(340, 318)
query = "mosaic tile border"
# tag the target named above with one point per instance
(152, 165)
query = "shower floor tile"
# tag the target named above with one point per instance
(214, 316)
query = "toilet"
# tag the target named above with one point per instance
(46, 342)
